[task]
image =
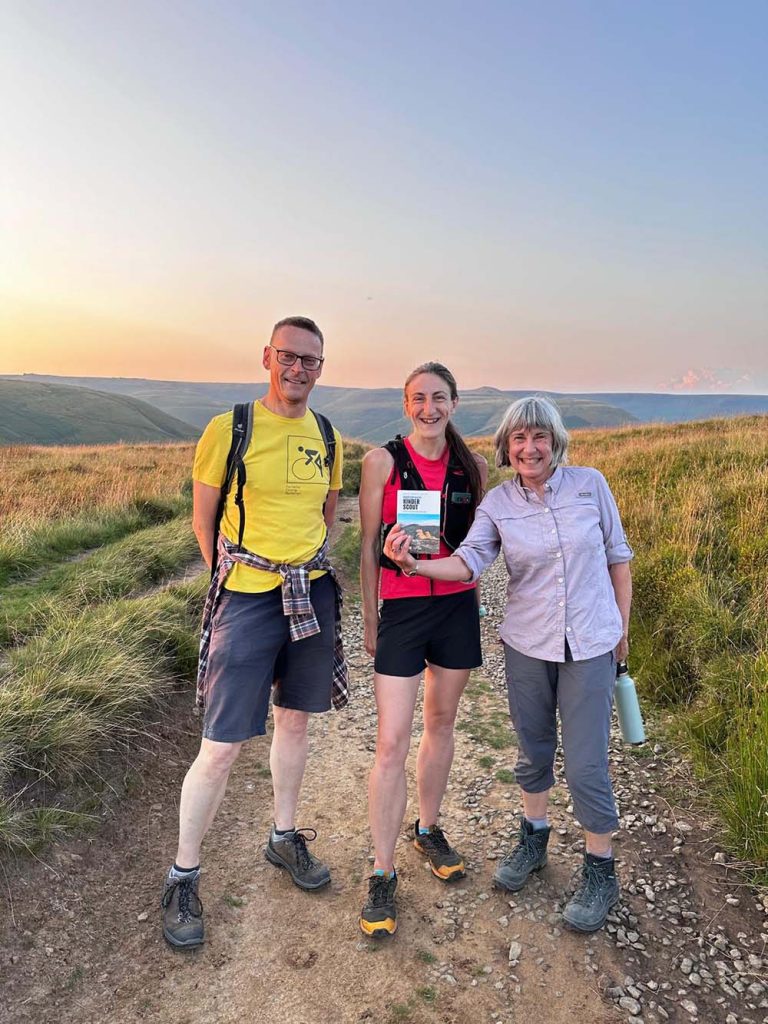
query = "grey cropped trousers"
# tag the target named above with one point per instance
(583, 693)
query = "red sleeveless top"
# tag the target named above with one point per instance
(391, 583)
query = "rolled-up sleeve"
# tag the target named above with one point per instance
(481, 545)
(616, 547)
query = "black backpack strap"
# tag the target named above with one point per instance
(242, 430)
(329, 440)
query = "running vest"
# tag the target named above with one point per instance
(456, 508)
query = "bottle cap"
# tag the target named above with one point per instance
(622, 669)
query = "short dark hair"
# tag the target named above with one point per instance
(299, 321)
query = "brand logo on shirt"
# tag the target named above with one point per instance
(585, 494)
(306, 462)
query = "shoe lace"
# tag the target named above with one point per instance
(379, 890)
(592, 880)
(187, 894)
(526, 849)
(300, 839)
(435, 838)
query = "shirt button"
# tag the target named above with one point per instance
(560, 579)
(561, 604)
(546, 510)
(553, 531)
(567, 629)
(559, 554)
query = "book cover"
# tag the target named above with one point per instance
(418, 512)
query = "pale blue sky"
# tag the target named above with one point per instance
(560, 195)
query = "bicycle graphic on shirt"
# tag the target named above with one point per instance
(309, 464)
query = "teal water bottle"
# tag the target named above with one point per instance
(628, 707)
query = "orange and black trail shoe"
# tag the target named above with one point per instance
(446, 863)
(379, 917)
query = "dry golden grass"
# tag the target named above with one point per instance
(40, 484)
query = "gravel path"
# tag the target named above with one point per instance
(81, 942)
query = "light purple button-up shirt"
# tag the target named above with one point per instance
(557, 552)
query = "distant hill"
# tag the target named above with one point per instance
(33, 412)
(374, 414)
(371, 414)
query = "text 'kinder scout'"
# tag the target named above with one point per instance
(418, 512)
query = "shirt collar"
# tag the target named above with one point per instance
(553, 484)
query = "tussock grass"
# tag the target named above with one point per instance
(83, 684)
(113, 571)
(694, 502)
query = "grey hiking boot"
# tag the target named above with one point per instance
(182, 911)
(588, 908)
(529, 855)
(292, 854)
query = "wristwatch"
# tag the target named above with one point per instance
(412, 571)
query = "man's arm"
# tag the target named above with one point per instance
(205, 503)
(329, 511)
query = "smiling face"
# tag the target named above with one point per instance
(428, 405)
(530, 455)
(289, 386)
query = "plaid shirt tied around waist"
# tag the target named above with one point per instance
(296, 605)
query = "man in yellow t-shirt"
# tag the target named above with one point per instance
(290, 502)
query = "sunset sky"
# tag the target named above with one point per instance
(565, 195)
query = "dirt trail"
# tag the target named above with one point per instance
(81, 941)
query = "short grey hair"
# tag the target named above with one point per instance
(532, 413)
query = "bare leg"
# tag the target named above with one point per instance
(201, 794)
(598, 843)
(443, 688)
(287, 760)
(387, 792)
(535, 804)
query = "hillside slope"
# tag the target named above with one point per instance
(371, 414)
(44, 413)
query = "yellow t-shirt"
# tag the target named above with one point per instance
(285, 488)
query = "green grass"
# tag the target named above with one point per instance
(506, 776)
(488, 728)
(115, 570)
(79, 687)
(23, 550)
(346, 550)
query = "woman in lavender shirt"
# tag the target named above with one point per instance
(565, 625)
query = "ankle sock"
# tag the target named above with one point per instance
(423, 831)
(537, 823)
(177, 872)
(385, 874)
(282, 833)
(602, 856)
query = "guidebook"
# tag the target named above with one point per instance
(418, 512)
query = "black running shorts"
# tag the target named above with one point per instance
(416, 631)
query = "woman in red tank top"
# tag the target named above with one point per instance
(421, 627)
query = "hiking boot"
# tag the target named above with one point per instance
(292, 854)
(529, 855)
(182, 911)
(446, 863)
(588, 908)
(379, 916)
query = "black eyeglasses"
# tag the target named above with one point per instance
(286, 358)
